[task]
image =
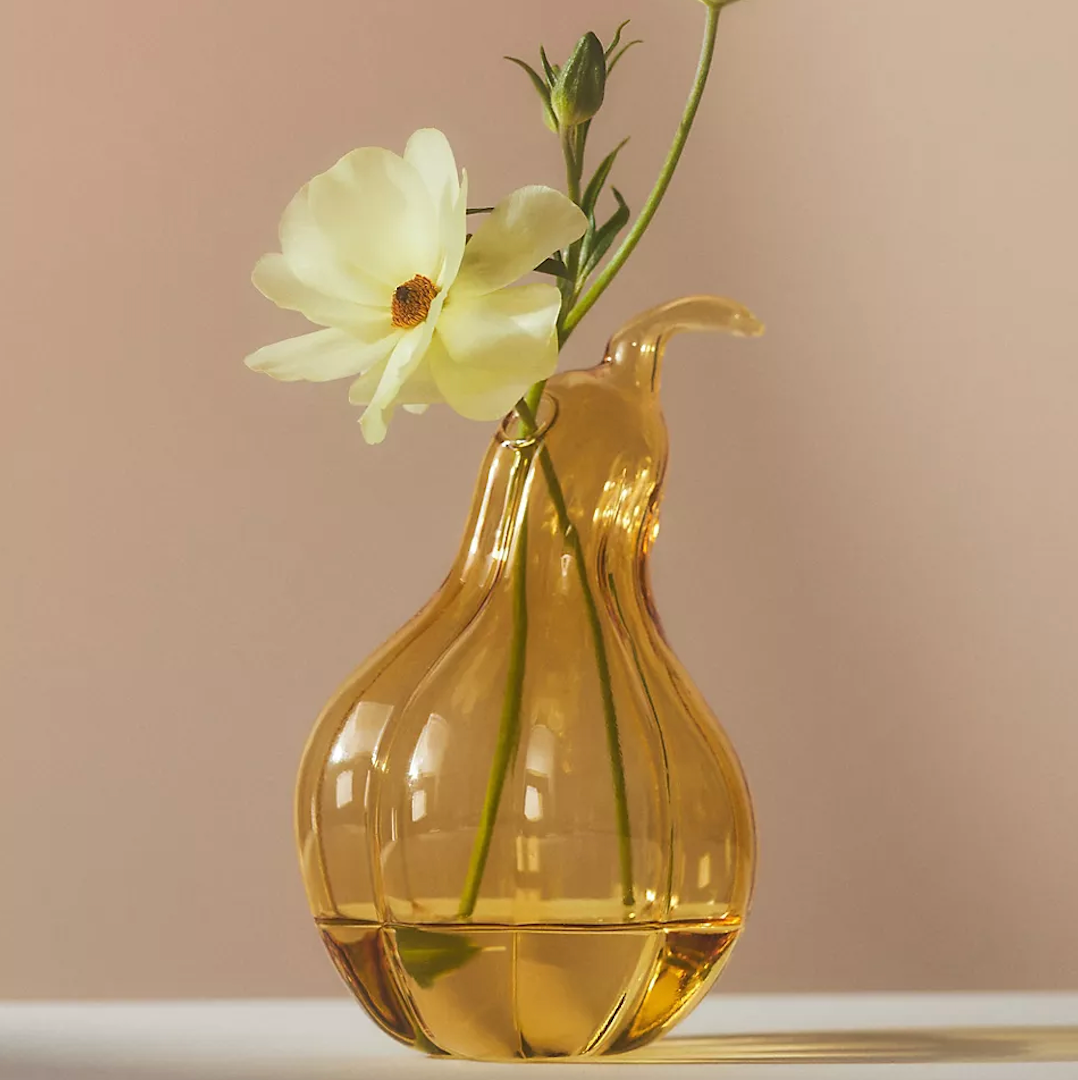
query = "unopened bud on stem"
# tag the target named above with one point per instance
(578, 91)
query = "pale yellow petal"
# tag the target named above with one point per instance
(488, 350)
(429, 152)
(454, 235)
(321, 356)
(406, 357)
(476, 329)
(379, 215)
(314, 259)
(524, 229)
(383, 401)
(418, 390)
(275, 279)
(365, 386)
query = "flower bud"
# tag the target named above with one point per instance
(578, 92)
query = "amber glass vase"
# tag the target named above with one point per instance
(522, 832)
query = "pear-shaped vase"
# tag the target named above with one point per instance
(522, 832)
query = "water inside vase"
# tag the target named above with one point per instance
(538, 991)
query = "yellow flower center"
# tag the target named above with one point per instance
(412, 300)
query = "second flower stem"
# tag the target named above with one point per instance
(509, 729)
(526, 411)
(666, 174)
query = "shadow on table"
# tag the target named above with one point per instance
(864, 1047)
(1000, 1045)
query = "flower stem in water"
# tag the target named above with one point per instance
(509, 729)
(509, 732)
(610, 715)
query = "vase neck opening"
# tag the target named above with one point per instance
(515, 432)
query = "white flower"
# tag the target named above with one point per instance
(374, 251)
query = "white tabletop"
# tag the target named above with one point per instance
(753, 1037)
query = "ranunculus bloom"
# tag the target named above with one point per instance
(374, 251)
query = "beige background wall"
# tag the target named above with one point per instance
(871, 534)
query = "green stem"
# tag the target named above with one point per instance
(617, 260)
(610, 716)
(509, 729)
(572, 147)
(572, 165)
(531, 402)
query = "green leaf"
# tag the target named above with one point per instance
(595, 185)
(427, 954)
(550, 69)
(540, 88)
(587, 242)
(606, 235)
(621, 52)
(616, 39)
(567, 288)
(553, 266)
(536, 78)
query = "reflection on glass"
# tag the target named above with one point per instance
(540, 757)
(533, 803)
(344, 788)
(703, 873)
(360, 732)
(429, 751)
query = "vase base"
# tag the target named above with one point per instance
(497, 993)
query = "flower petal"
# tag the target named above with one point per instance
(379, 214)
(315, 260)
(417, 392)
(420, 389)
(321, 356)
(406, 357)
(429, 152)
(488, 350)
(454, 235)
(524, 229)
(275, 279)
